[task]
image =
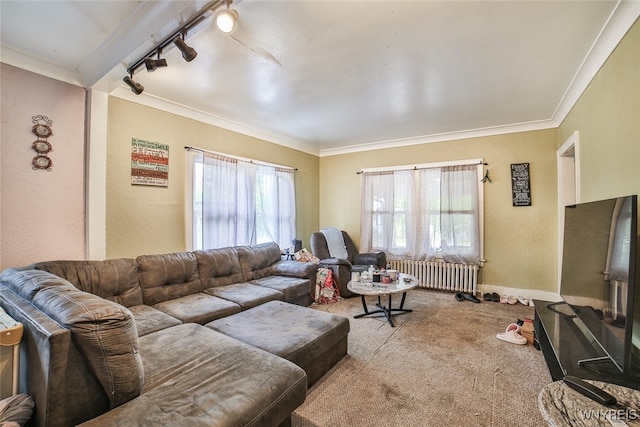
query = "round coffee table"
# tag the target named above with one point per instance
(404, 283)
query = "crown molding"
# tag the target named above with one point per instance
(204, 117)
(620, 21)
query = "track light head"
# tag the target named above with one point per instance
(188, 53)
(136, 87)
(152, 64)
(226, 19)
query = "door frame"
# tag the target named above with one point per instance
(568, 159)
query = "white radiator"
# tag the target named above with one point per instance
(440, 275)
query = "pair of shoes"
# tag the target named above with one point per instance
(512, 335)
(508, 299)
(491, 297)
(522, 300)
(469, 297)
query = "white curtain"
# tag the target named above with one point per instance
(422, 214)
(235, 202)
(460, 241)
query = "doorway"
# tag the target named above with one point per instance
(568, 156)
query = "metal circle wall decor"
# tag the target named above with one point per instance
(42, 129)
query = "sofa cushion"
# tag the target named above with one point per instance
(219, 267)
(198, 308)
(168, 276)
(199, 377)
(105, 331)
(291, 287)
(245, 295)
(114, 279)
(312, 339)
(256, 261)
(149, 319)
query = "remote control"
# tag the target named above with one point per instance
(589, 390)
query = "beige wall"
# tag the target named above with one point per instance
(607, 117)
(145, 220)
(520, 242)
(41, 213)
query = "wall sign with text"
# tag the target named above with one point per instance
(149, 163)
(520, 188)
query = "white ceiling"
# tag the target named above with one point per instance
(329, 77)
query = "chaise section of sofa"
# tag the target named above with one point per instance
(198, 377)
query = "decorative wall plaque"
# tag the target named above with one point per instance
(520, 189)
(42, 130)
(149, 163)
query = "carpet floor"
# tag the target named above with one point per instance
(442, 365)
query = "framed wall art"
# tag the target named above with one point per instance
(520, 187)
(149, 163)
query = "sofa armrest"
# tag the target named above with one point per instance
(372, 258)
(54, 371)
(303, 270)
(335, 261)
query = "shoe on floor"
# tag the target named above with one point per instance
(522, 300)
(487, 296)
(513, 327)
(512, 300)
(504, 299)
(459, 296)
(471, 297)
(512, 337)
(495, 297)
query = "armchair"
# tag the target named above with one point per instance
(342, 268)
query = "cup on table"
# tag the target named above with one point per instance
(393, 274)
(355, 276)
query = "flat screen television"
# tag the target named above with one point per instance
(600, 270)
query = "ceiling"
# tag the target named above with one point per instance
(329, 77)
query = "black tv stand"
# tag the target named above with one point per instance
(569, 349)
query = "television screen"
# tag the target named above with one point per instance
(599, 272)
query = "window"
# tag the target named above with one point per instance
(234, 202)
(427, 212)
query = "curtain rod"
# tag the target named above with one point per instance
(424, 166)
(239, 158)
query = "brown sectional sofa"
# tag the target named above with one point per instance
(124, 341)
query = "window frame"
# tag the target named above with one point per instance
(478, 162)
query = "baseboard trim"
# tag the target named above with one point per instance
(529, 294)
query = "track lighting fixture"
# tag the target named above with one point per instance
(188, 53)
(152, 64)
(226, 19)
(136, 87)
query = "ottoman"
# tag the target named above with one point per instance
(313, 340)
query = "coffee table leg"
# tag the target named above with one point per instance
(364, 305)
(404, 295)
(387, 310)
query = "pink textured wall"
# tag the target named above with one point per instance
(41, 213)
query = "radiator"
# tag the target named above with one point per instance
(440, 275)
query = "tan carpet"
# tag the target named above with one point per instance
(440, 366)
